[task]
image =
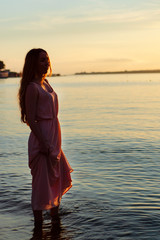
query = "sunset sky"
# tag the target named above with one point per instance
(82, 35)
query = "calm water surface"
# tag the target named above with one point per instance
(111, 137)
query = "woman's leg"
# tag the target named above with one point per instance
(56, 224)
(38, 218)
(54, 211)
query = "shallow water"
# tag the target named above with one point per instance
(111, 137)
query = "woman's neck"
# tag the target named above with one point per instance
(39, 80)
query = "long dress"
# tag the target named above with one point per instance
(50, 174)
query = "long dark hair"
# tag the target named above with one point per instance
(30, 70)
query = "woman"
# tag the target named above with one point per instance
(39, 109)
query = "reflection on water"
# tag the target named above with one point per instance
(111, 137)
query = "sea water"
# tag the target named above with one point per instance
(111, 137)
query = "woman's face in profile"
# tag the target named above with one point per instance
(43, 63)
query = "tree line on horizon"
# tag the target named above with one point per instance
(10, 74)
(2, 65)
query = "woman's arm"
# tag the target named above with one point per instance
(31, 99)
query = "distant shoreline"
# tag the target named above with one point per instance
(16, 74)
(119, 72)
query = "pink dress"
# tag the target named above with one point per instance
(50, 174)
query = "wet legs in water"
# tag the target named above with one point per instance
(38, 219)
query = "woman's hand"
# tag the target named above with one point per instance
(44, 147)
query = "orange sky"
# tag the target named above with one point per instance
(85, 35)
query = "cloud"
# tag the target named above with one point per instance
(54, 20)
(114, 60)
(8, 20)
(85, 19)
(103, 60)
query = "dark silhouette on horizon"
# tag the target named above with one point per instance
(119, 72)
